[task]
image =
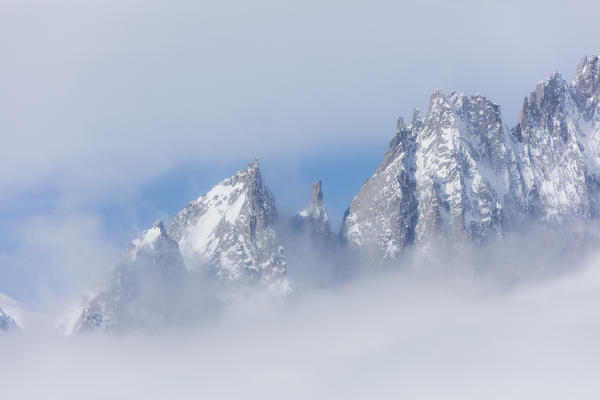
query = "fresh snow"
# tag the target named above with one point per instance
(455, 175)
(13, 314)
(458, 174)
(231, 231)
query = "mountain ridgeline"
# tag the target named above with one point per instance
(455, 175)
(227, 235)
(458, 174)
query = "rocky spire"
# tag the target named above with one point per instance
(586, 87)
(314, 219)
(587, 76)
(254, 165)
(230, 231)
(316, 198)
(400, 125)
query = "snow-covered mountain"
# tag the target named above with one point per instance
(446, 175)
(227, 234)
(459, 175)
(456, 175)
(313, 220)
(557, 143)
(141, 286)
(12, 314)
(7, 322)
(231, 231)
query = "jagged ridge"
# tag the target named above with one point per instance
(458, 174)
(455, 175)
(231, 230)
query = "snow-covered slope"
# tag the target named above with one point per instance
(13, 314)
(227, 234)
(7, 322)
(231, 231)
(140, 288)
(446, 175)
(557, 142)
(457, 175)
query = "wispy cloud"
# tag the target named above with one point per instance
(382, 337)
(105, 96)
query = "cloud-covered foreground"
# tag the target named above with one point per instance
(388, 336)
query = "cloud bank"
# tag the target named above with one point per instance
(433, 327)
(106, 96)
(99, 99)
(388, 336)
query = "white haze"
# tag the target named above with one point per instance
(56, 259)
(432, 328)
(101, 97)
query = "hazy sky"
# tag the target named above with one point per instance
(115, 113)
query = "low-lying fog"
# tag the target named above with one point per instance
(390, 334)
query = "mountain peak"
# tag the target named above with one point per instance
(230, 232)
(158, 224)
(546, 100)
(314, 219)
(316, 208)
(416, 117)
(400, 125)
(442, 179)
(7, 322)
(149, 237)
(316, 196)
(587, 77)
(253, 165)
(588, 67)
(438, 94)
